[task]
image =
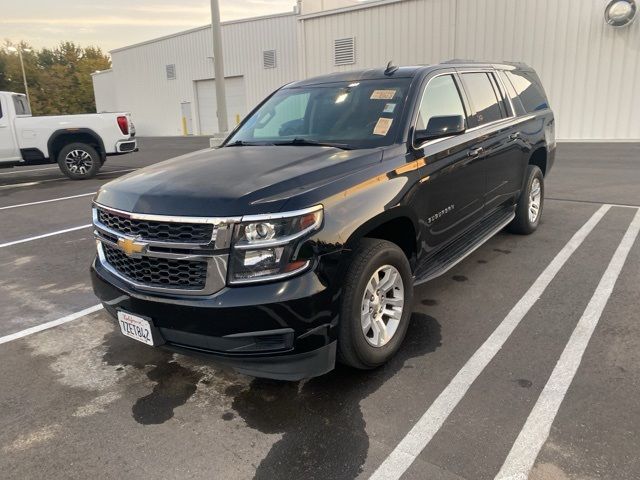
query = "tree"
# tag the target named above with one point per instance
(59, 79)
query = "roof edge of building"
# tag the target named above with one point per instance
(100, 72)
(203, 27)
(350, 8)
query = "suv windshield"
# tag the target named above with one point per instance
(361, 114)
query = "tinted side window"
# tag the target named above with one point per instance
(21, 105)
(531, 95)
(440, 98)
(483, 97)
(511, 92)
(502, 99)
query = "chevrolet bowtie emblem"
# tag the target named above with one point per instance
(130, 247)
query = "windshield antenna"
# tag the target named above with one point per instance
(391, 68)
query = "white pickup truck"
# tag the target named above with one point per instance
(79, 144)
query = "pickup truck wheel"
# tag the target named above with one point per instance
(79, 161)
(529, 209)
(376, 304)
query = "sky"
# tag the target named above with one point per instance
(110, 24)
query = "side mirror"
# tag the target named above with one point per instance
(441, 126)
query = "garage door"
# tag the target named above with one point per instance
(236, 103)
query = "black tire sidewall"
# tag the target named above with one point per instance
(368, 355)
(95, 157)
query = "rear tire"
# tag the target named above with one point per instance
(79, 161)
(378, 291)
(529, 209)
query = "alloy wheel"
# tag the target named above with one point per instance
(382, 305)
(535, 195)
(78, 162)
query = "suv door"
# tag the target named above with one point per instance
(451, 191)
(8, 149)
(497, 137)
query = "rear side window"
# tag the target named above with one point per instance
(486, 106)
(21, 105)
(441, 98)
(529, 91)
(511, 92)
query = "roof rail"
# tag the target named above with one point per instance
(489, 62)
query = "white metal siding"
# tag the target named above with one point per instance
(591, 71)
(207, 105)
(140, 71)
(408, 33)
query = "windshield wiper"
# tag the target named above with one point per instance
(304, 142)
(242, 143)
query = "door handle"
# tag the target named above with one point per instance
(475, 152)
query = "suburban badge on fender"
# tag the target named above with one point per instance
(130, 247)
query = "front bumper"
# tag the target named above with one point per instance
(284, 330)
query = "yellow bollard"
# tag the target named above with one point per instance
(237, 118)
(184, 126)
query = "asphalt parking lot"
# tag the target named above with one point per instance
(527, 351)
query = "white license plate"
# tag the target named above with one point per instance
(135, 327)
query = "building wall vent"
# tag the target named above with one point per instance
(269, 59)
(344, 51)
(171, 72)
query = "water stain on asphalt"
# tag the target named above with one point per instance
(321, 422)
(500, 250)
(429, 302)
(482, 261)
(523, 382)
(173, 383)
(459, 278)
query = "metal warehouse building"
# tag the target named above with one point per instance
(590, 69)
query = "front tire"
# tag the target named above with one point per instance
(529, 209)
(376, 304)
(79, 161)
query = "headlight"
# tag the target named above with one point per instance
(266, 247)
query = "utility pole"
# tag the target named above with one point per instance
(218, 67)
(24, 75)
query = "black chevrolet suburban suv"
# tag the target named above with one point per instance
(300, 239)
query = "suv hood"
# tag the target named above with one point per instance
(232, 181)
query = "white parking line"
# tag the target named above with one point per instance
(536, 430)
(51, 324)
(30, 184)
(423, 431)
(27, 171)
(47, 201)
(45, 235)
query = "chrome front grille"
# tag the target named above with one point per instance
(159, 253)
(161, 231)
(158, 272)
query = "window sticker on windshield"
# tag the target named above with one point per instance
(383, 94)
(383, 126)
(389, 108)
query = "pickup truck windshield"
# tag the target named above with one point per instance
(350, 115)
